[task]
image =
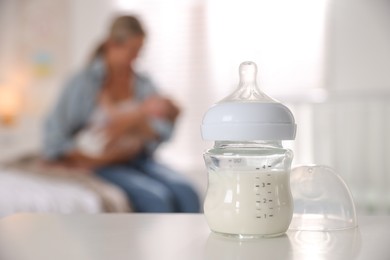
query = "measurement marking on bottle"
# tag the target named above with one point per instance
(257, 168)
(262, 188)
(269, 166)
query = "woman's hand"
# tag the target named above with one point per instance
(160, 107)
(122, 152)
(121, 125)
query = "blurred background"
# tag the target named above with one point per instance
(328, 60)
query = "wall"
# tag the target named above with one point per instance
(358, 40)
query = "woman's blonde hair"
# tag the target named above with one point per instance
(121, 29)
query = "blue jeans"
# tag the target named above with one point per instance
(152, 187)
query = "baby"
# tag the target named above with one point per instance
(95, 139)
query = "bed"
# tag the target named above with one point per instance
(29, 185)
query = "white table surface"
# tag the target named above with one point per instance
(176, 236)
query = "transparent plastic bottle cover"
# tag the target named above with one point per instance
(322, 200)
(249, 185)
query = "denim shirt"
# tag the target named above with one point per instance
(77, 103)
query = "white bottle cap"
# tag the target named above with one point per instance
(248, 114)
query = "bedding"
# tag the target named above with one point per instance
(29, 185)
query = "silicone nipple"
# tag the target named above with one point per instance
(247, 89)
(248, 114)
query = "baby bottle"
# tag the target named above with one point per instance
(248, 191)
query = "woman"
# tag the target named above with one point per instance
(111, 119)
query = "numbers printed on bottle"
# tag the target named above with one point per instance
(263, 193)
